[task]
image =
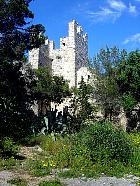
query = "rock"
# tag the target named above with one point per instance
(37, 148)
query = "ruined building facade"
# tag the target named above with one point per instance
(70, 60)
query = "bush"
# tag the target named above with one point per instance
(106, 142)
(9, 163)
(135, 137)
(8, 147)
(99, 148)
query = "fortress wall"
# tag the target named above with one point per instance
(68, 59)
(34, 58)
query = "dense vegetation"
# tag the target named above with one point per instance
(90, 145)
(19, 87)
(16, 38)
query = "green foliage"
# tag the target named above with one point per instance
(135, 160)
(135, 137)
(100, 149)
(18, 181)
(84, 106)
(16, 98)
(29, 140)
(8, 147)
(51, 183)
(129, 86)
(72, 173)
(8, 164)
(90, 158)
(112, 168)
(54, 88)
(65, 152)
(16, 34)
(128, 101)
(50, 88)
(81, 105)
(106, 91)
(106, 143)
(128, 79)
(38, 167)
(59, 149)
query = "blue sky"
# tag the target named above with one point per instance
(107, 22)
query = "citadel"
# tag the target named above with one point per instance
(70, 60)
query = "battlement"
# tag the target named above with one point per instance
(75, 36)
(69, 58)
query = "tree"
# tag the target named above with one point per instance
(49, 88)
(16, 115)
(106, 93)
(81, 106)
(17, 36)
(128, 80)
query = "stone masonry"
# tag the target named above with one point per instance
(70, 60)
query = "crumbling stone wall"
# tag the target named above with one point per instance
(68, 59)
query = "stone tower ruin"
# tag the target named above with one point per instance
(67, 61)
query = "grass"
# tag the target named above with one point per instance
(37, 167)
(112, 168)
(51, 183)
(83, 160)
(58, 149)
(73, 153)
(7, 164)
(90, 153)
(135, 137)
(18, 182)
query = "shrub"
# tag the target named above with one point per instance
(100, 148)
(106, 142)
(9, 163)
(8, 147)
(135, 137)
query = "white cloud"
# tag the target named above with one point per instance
(117, 5)
(133, 39)
(132, 9)
(104, 14)
(110, 11)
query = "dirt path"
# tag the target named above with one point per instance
(102, 181)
